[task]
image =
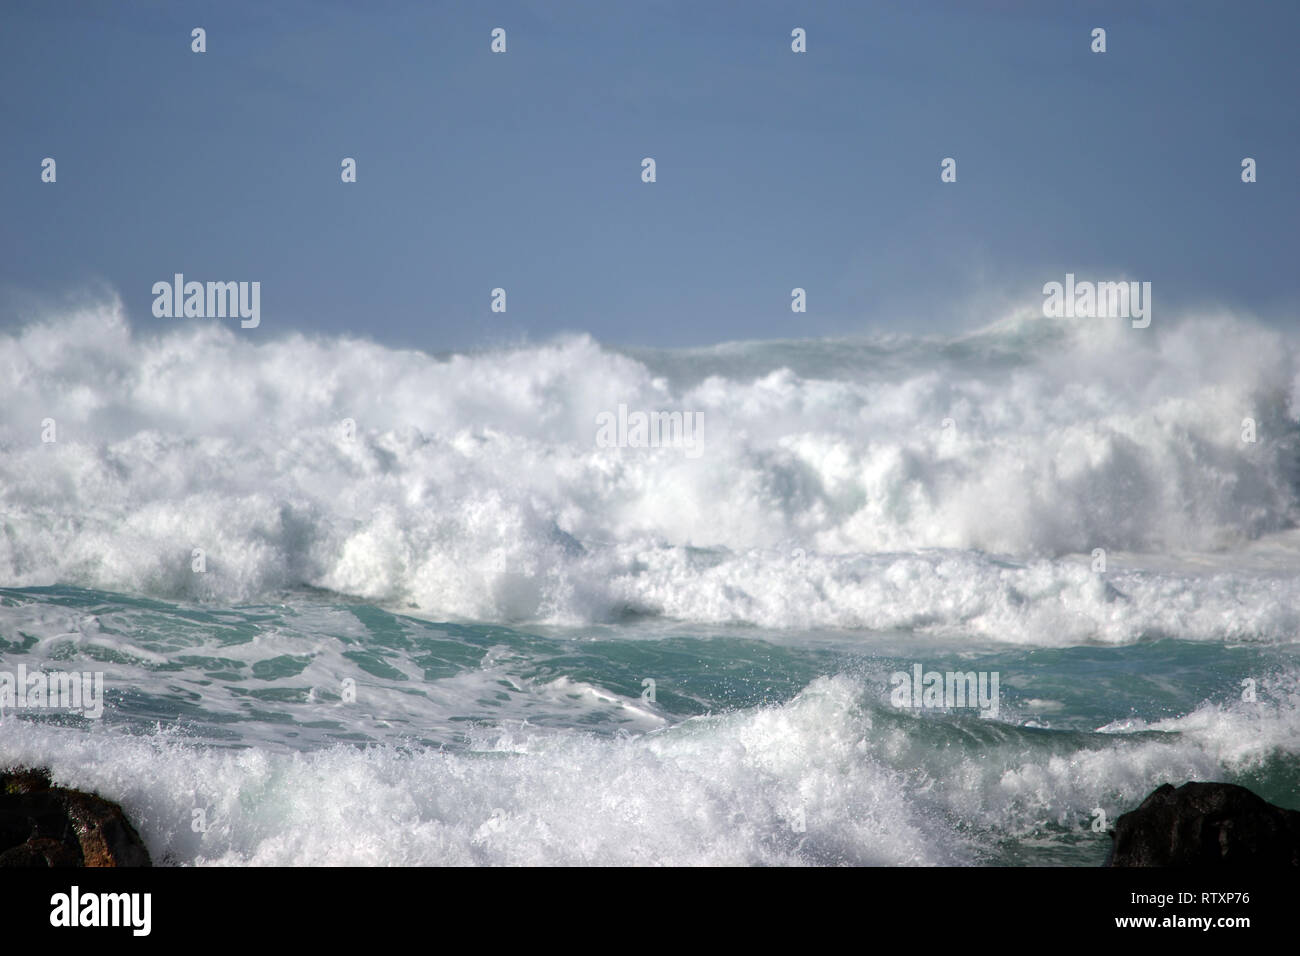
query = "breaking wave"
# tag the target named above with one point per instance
(892, 482)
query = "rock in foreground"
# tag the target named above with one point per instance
(1206, 824)
(41, 825)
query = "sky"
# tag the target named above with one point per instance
(522, 170)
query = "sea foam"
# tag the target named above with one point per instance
(887, 482)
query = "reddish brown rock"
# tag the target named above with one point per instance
(46, 826)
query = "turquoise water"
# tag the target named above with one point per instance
(1079, 728)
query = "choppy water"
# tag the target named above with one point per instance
(427, 641)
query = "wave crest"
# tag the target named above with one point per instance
(474, 485)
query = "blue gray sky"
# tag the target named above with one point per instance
(523, 170)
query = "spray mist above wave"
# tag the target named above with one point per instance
(474, 485)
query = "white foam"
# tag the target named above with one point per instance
(720, 791)
(474, 487)
(815, 780)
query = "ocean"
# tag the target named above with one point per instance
(360, 605)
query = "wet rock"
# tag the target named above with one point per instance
(40, 851)
(44, 825)
(1206, 824)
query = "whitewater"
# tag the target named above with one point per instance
(356, 604)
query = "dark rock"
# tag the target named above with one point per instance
(40, 851)
(24, 781)
(44, 825)
(1206, 824)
